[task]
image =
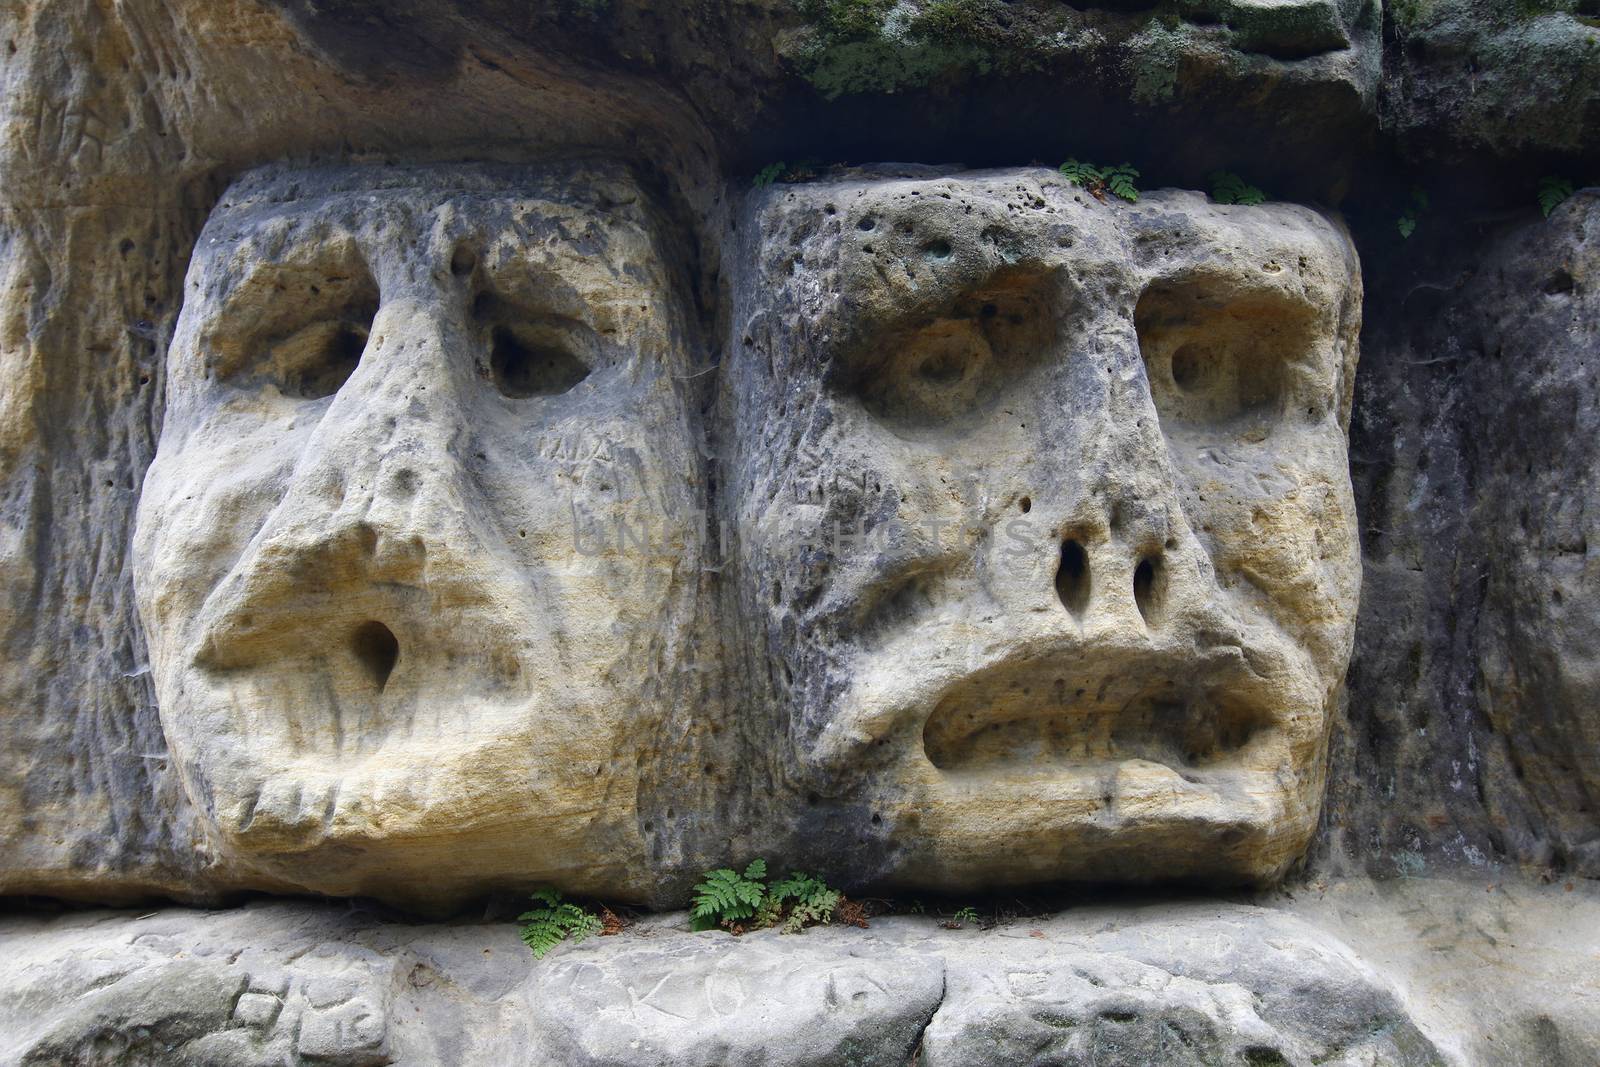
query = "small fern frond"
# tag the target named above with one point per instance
(815, 909)
(558, 920)
(796, 886)
(715, 894)
(769, 174)
(725, 896)
(1119, 182)
(1553, 192)
(1229, 188)
(1079, 173)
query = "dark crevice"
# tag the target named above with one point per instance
(1072, 577)
(1149, 581)
(377, 650)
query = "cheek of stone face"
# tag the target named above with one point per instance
(1246, 405)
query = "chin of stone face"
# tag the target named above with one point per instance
(398, 644)
(1048, 566)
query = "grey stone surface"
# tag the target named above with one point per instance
(1472, 687)
(1135, 983)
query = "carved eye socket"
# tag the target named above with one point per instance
(524, 364)
(317, 359)
(942, 369)
(301, 328)
(531, 355)
(1218, 364)
(935, 375)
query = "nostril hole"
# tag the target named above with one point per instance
(377, 650)
(463, 260)
(1147, 589)
(1072, 577)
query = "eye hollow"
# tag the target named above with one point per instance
(938, 371)
(1219, 361)
(525, 365)
(302, 328)
(321, 358)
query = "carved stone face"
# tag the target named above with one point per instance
(1048, 548)
(385, 662)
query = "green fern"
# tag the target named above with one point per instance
(1553, 192)
(545, 928)
(769, 174)
(966, 915)
(1229, 188)
(1118, 180)
(1078, 173)
(796, 886)
(729, 899)
(814, 903)
(724, 897)
(1407, 223)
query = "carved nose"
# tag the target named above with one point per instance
(1138, 578)
(379, 474)
(1122, 548)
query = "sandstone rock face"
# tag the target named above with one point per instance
(1477, 75)
(449, 447)
(1538, 317)
(1047, 549)
(107, 199)
(391, 654)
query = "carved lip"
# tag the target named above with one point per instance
(1052, 702)
(247, 632)
(1096, 708)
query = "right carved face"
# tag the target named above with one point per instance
(384, 660)
(1047, 542)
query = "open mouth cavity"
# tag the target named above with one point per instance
(1047, 714)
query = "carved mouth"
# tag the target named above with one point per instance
(1049, 714)
(354, 668)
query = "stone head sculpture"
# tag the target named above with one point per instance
(387, 661)
(1048, 558)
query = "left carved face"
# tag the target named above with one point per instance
(385, 662)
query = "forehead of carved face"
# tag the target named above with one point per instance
(385, 637)
(1047, 538)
